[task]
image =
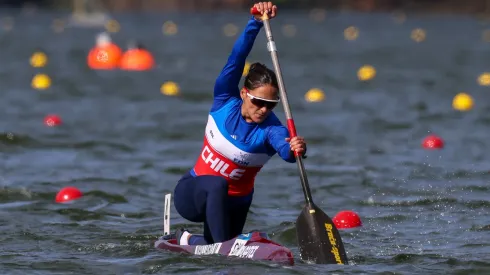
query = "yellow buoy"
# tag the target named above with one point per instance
(351, 33)
(484, 79)
(170, 88)
(366, 72)
(169, 28)
(112, 26)
(230, 30)
(38, 60)
(41, 82)
(418, 35)
(246, 68)
(463, 102)
(314, 95)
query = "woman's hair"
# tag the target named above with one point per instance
(259, 75)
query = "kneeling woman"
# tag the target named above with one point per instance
(242, 134)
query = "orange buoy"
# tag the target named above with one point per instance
(137, 59)
(105, 55)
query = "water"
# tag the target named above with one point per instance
(125, 145)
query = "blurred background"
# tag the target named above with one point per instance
(111, 98)
(454, 6)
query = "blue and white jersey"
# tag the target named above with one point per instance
(233, 148)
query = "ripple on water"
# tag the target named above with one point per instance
(124, 144)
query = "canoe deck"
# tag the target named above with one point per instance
(254, 245)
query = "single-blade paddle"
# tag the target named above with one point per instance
(319, 240)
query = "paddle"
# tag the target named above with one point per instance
(318, 239)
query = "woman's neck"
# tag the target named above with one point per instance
(245, 115)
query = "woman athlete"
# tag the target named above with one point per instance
(242, 134)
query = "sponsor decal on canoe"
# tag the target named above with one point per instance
(240, 250)
(207, 249)
(239, 243)
(245, 251)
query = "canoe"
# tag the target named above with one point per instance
(253, 245)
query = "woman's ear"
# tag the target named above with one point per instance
(243, 94)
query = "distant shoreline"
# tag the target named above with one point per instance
(477, 7)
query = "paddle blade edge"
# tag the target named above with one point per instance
(319, 240)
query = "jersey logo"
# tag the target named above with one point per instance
(233, 137)
(219, 165)
(241, 162)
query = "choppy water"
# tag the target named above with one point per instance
(125, 145)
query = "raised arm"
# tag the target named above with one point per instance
(226, 84)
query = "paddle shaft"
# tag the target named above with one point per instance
(318, 239)
(271, 46)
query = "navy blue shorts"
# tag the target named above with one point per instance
(205, 199)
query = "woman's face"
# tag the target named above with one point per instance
(259, 102)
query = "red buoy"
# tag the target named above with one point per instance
(67, 194)
(433, 142)
(52, 120)
(347, 219)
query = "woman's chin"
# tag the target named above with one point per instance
(259, 118)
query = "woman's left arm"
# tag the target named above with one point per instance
(226, 84)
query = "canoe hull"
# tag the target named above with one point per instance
(253, 245)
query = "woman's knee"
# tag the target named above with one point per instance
(184, 204)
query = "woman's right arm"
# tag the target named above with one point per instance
(226, 84)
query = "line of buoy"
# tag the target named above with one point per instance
(107, 55)
(42, 82)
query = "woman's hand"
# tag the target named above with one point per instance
(265, 7)
(297, 144)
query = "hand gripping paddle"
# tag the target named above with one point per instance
(319, 240)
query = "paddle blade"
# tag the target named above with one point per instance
(318, 239)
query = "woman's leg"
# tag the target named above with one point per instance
(239, 207)
(205, 199)
(184, 200)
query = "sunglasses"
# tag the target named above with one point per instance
(261, 102)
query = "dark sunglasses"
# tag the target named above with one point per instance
(261, 102)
